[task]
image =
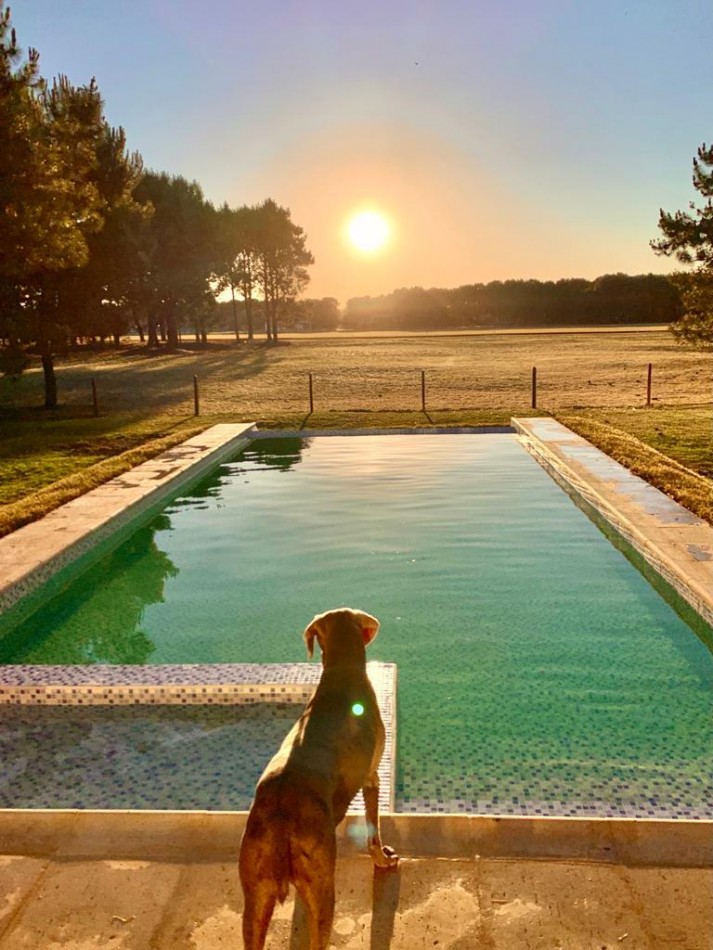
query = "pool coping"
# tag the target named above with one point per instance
(215, 836)
(677, 544)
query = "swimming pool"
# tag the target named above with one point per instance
(539, 673)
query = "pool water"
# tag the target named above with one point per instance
(538, 671)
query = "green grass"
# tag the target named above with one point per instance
(671, 448)
(684, 434)
(45, 463)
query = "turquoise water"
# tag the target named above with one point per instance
(538, 670)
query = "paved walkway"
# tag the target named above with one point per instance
(429, 903)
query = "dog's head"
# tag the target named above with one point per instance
(343, 631)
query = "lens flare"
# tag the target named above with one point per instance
(358, 709)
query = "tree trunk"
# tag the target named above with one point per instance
(170, 322)
(249, 316)
(153, 331)
(235, 314)
(50, 377)
(140, 330)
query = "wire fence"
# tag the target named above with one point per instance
(421, 391)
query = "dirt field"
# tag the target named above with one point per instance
(382, 372)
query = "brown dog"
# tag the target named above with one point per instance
(330, 753)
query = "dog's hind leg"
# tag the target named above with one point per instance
(260, 900)
(314, 881)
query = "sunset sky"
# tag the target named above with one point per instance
(499, 138)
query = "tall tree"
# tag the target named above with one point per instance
(238, 259)
(74, 123)
(181, 248)
(688, 236)
(53, 200)
(283, 261)
(45, 204)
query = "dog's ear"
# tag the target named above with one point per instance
(310, 633)
(369, 626)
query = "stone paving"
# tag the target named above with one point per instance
(448, 904)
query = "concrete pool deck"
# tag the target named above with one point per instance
(170, 882)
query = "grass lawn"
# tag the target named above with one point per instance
(350, 373)
(594, 382)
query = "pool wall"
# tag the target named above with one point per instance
(215, 836)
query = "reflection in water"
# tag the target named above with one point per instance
(100, 615)
(282, 454)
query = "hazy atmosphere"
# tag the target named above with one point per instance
(531, 140)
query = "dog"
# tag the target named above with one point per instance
(331, 752)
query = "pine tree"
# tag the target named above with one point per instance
(688, 236)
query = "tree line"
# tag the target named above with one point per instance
(93, 245)
(611, 299)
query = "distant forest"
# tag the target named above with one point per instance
(611, 299)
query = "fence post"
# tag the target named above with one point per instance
(534, 387)
(423, 390)
(311, 395)
(196, 399)
(648, 385)
(95, 403)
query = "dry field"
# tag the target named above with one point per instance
(379, 372)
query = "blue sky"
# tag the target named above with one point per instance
(500, 139)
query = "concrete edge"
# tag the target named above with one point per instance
(215, 836)
(590, 499)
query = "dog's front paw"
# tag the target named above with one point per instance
(383, 856)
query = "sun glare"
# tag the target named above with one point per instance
(368, 231)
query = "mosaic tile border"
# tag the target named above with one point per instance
(510, 808)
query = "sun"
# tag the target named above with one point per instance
(368, 231)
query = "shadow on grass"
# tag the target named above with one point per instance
(168, 382)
